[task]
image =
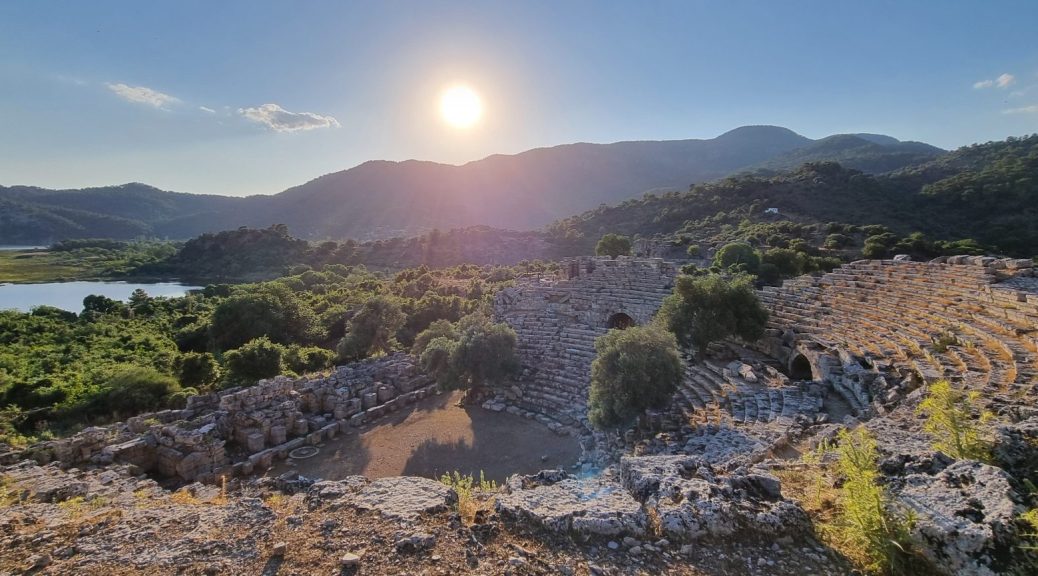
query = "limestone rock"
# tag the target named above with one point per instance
(414, 542)
(965, 515)
(589, 507)
(692, 500)
(405, 497)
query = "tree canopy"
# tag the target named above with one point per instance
(634, 369)
(613, 245)
(705, 309)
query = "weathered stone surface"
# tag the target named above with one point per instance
(965, 515)
(405, 497)
(589, 507)
(1016, 447)
(693, 500)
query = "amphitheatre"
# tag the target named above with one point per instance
(694, 488)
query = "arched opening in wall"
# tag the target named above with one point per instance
(620, 321)
(800, 368)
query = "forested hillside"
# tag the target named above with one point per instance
(987, 193)
(381, 199)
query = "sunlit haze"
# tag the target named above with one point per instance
(244, 97)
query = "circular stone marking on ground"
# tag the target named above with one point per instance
(303, 452)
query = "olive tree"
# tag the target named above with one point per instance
(372, 330)
(634, 369)
(705, 309)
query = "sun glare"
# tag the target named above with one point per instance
(460, 106)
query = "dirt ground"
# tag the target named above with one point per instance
(436, 436)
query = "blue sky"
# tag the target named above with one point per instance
(179, 94)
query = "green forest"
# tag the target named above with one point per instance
(61, 370)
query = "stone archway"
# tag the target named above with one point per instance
(800, 368)
(620, 321)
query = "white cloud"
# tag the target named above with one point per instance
(142, 95)
(277, 118)
(1032, 109)
(207, 110)
(1004, 81)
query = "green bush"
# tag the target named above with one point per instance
(435, 360)
(132, 390)
(198, 370)
(372, 330)
(303, 359)
(837, 241)
(485, 353)
(257, 359)
(613, 245)
(634, 369)
(705, 309)
(270, 310)
(437, 329)
(737, 257)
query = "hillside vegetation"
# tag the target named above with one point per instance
(985, 195)
(380, 199)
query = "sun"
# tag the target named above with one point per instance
(460, 106)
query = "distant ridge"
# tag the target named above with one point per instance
(382, 198)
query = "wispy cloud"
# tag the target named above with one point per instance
(1004, 81)
(277, 118)
(142, 95)
(207, 110)
(1032, 109)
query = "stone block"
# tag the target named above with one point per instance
(278, 435)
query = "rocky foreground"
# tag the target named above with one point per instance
(112, 522)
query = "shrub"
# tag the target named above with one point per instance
(135, 389)
(613, 245)
(372, 330)
(950, 420)
(868, 528)
(879, 246)
(303, 359)
(257, 359)
(435, 330)
(693, 250)
(435, 360)
(837, 241)
(269, 310)
(704, 309)
(737, 257)
(466, 488)
(943, 341)
(485, 352)
(634, 369)
(198, 370)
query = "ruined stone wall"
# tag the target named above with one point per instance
(557, 320)
(239, 431)
(876, 329)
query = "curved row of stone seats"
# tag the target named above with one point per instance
(897, 311)
(708, 395)
(557, 321)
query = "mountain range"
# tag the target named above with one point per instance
(381, 199)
